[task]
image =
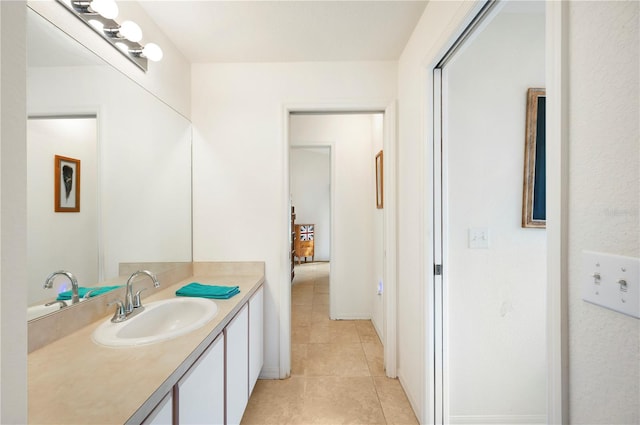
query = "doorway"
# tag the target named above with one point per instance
(310, 186)
(490, 287)
(351, 235)
(336, 168)
(311, 198)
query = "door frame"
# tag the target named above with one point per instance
(390, 232)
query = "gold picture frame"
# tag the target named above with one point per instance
(534, 191)
(379, 181)
(67, 184)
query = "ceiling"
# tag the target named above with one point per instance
(208, 31)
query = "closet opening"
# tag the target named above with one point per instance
(491, 270)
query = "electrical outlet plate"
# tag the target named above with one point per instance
(612, 281)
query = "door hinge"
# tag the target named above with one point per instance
(437, 269)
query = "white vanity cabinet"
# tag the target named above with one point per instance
(162, 414)
(201, 389)
(216, 388)
(202, 377)
(256, 336)
(237, 338)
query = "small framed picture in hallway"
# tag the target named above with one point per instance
(379, 182)
(67, 184)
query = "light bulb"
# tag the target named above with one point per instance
(106, 8)
(99, 26)
(120, 45)
(131, 31)
(153, 52)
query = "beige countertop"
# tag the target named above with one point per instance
(76, 381)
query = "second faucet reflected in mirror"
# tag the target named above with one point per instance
(48, 283)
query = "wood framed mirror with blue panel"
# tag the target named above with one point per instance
(534, 198)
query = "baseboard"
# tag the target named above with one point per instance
(378, 331)
(499, 419)
(354, 317)
(269, 373)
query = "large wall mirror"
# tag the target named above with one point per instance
(133, 174)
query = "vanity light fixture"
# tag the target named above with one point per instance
(106, 8)
(100, 16)
(131, 31)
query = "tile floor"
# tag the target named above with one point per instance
(337, 375)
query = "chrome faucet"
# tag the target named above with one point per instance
(74, 284)
(131, 302)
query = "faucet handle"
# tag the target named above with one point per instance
(88, 294)
(137, 302)
(120, 315)
(61, 302)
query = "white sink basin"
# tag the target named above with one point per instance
(160, 321)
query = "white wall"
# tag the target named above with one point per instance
(311, 194)
(435, 29)
(352, 264)
(604, 191)
(13, 214)
(168, 79)
(67, 241)
(241, 192)
(496, 296)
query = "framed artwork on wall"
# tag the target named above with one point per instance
(534, 198)
(379, 181)
(67, 184)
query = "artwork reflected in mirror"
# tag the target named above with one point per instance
(67, 184)
(534, 197)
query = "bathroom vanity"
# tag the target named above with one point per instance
(205, 376)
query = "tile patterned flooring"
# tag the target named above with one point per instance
(337, 375)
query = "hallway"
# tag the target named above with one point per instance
(337, 374)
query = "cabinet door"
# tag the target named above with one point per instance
(162, 414)
(256, 336)
(237, 338)
(201, 389)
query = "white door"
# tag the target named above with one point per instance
(490, 334)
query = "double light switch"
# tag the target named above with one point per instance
(612, 281)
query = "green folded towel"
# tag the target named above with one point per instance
(97, 290)
(195, 289)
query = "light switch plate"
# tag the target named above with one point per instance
(612, 281)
